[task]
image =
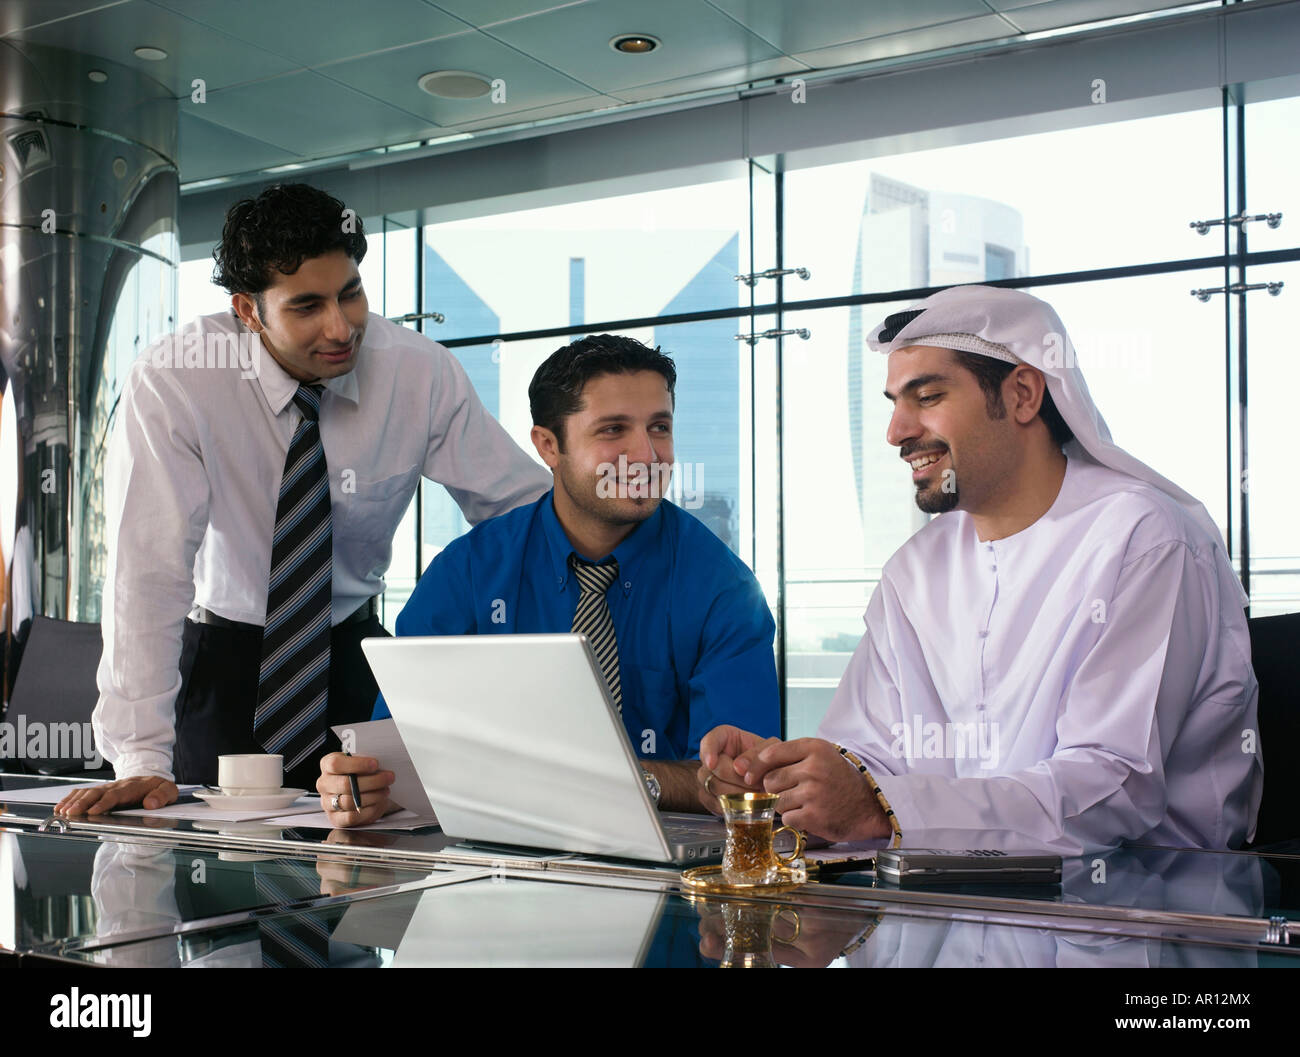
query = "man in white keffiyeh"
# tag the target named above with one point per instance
(1058, 661)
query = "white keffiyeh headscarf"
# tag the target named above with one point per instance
(1016, 327)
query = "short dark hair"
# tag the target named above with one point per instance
(555, 392)
(279, 229)
(991, 373)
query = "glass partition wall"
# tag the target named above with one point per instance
(780, 414)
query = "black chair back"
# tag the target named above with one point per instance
(1275, 655)
(53, 697)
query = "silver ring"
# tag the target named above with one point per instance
(334, 804)
(706, 784)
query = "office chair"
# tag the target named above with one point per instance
(1275, 655)
(53, 696)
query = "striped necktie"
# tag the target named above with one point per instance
(592, 619)
(298, 941)
(293, 685)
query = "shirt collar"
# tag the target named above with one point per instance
(279, 387)
(629, 554)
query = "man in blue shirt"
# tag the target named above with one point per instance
(682, 630)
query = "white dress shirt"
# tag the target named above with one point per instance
(192, 483)
(1082, 682)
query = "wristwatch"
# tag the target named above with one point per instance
(652, 785)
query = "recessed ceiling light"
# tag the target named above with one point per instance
(455, 84)
(634, 43)
(98, 76)
(150, 54)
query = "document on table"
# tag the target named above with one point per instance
(398, 820)
(52, 794)
(199, 811)
(379, 739)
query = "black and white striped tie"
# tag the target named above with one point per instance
(293, 685)
(592, 619)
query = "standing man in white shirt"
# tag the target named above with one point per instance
(1060, 660)
(252, 497)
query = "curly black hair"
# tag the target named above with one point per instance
(555, 392)
(279, 229)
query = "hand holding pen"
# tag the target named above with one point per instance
(354, 790)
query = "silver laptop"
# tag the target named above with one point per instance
(516, 741)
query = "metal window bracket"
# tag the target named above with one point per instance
(772, 273)
(754, 339)
(1202, 227)
(1236, 288)
(415, 317)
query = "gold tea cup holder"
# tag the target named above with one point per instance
(708, 880)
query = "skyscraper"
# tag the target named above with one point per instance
(446, 292)
(910, 237)
(706, 421)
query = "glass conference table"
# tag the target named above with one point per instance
(124, 891)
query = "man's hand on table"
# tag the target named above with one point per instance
(371, 781)
(147, 791)
(820, 792)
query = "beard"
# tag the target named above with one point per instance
(936, 501)
(582, 492)
(938, 497)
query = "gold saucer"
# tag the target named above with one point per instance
(709, 879)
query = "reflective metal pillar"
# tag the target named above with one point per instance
(88, 260)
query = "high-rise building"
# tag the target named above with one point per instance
(933, 239)
(449, 294)
(706, 421)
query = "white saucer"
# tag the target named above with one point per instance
(266, 802)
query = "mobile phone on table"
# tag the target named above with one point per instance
(933, 866)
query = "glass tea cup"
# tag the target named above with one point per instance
(750, 857)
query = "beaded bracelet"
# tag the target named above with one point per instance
(875, 789)
(866, 935)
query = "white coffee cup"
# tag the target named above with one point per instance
(251, 774)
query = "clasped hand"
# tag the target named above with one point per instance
(820, 792)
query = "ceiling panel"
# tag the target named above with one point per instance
(912, 42)
(1059, 13)
(311, 33)
(23, 14)
(696, 37)
(394, 77)
(540, 113)
(486, 12)
(704, 82)
(309, 115)
(217, 151)
(1136, 5)
(193, 50)
(805, 26)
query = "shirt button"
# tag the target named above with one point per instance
(994, 568)
(984, 634)
(627, 584)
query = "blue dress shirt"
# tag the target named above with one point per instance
(694, 631)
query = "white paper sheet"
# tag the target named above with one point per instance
(398, 820)
(379, 739)
(201, 811)
(52, 794)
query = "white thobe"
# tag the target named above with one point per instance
(1080, 683)
(192, 482)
